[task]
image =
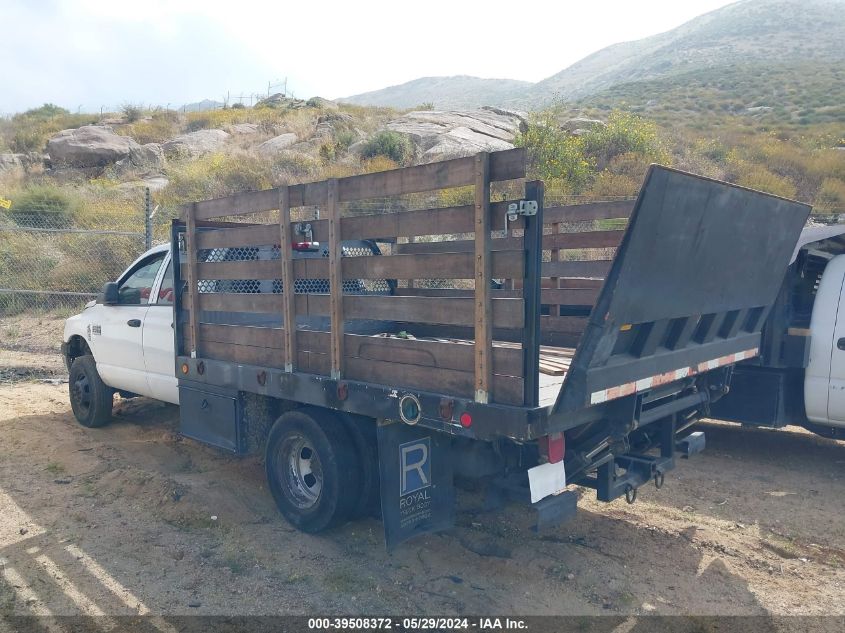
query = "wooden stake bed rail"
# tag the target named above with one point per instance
(424, 299)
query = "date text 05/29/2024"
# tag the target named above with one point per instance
(417, 624)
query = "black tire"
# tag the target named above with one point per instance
(90, 398)
(362, 430)
(312, 469)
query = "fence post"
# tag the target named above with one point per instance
(148, 220)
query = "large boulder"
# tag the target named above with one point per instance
(282, 102)
(440, 135)
(89, 146)
(320, 102)
(580, 125)
(277, 144)
(11, 162)
(243, 129)
(330, 122)
(195, 144)
(150, 155)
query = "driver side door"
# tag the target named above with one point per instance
(117, 330)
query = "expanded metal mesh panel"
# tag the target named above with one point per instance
(300, 286)
(239, 254)
(275, 286)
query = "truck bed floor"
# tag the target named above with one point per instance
(554, 363)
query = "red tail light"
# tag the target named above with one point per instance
(308, 247)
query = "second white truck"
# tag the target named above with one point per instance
(799, 376)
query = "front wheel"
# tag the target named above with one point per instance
(90, 398)
(311, 469)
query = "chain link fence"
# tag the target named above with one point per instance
(51, 261)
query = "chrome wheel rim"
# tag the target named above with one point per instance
(300, 471)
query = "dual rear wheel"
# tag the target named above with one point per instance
(322, 467)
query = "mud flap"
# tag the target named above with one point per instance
(417, 492)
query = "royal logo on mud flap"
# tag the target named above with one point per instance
(414, 465)
(414, 481)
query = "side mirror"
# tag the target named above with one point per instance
(110, 295)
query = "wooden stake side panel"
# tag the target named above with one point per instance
(459, 172)
(455, 311)
(411, 363)
(439, 287)
(240, 304)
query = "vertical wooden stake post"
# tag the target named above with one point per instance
(335, 280)
(288, 290)
(193, 289)
(483, 304)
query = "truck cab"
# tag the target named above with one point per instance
(128, 331)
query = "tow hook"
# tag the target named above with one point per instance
(630, 494)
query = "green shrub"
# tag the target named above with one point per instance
(132, 112)
(28, 139)
(163, 125)
(29, 131)
(608, 185)
(43, 206)
(199, 122)
(393, 145)
(711, 149)
(215, 176)
(624, 133)
(344, 138)
(554, 155)
(831, 196)
(759, 178)
(45, 112)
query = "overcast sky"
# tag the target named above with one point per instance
(90, 54)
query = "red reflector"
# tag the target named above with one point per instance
(556, 447)
(466, 420)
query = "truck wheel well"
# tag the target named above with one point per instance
(76, 347)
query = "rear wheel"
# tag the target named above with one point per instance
(311, 469)
(90, 398)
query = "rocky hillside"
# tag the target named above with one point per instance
(54, 162)
(457, 92)
(788, 37)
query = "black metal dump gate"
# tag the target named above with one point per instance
(688, 291)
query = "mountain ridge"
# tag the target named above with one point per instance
(771, 32)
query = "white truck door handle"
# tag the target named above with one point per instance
(134, 323)
(841, 343)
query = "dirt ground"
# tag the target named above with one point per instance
(132, 519)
